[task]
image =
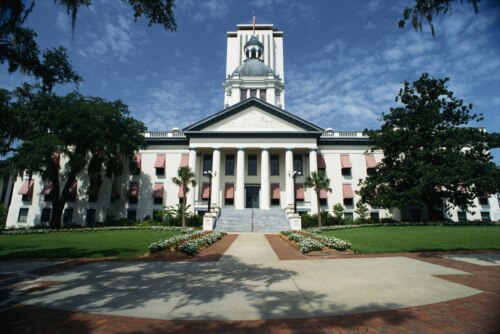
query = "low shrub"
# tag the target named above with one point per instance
(309, 242)
(189, 243)
(14, 231)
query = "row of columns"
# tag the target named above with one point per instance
(265, 194)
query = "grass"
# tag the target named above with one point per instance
(420, 238)
(121, 244)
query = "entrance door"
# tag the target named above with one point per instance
(252, 196)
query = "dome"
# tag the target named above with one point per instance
(253, 67)
(253, 41)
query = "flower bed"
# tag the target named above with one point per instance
(14, 231)
(189, 243)
(309, 242)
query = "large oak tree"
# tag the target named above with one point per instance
(432, 157)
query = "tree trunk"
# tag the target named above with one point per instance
(184, 209)
(319, 209)
(433, 214)
(58, 202)
(55, 219)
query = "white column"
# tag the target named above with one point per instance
(289, 181)
(239, 201)
(313, 167)
(216, 179)
(191, 196)
(265, 191)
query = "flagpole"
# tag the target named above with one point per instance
(253, 22)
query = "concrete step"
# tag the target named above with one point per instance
(246, 220)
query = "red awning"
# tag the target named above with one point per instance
(56, 157)
(321, 161)
(133, 190)
(370, 161)
(138, 160)
(184, 161)
(26, 188)
(229, 192)
(347, 191)
(323, 194)
(180, 193)
(160, 161)
(47, 188)
(73, 188)
(275, 191)
(205, 190)
(115, 191)
(299, 191)
(158, 190)
(345, 161)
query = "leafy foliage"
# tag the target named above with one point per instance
(362, 211)
(318, 181)
(427, 9)
(430, 157)
(338, 211)
(92, 134)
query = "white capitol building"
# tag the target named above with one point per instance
(250, 147)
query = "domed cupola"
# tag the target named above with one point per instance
(253, 48)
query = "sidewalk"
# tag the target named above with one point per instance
(250, 290)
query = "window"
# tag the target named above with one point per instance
(68, 216)
(323, 201)
(370, 171)
(156, 215)
(73, 191)
(131, 215)
(90, 217)
(93, 198)
(229, 164)
(275, 165)
(135, 165)
(253, 92)
(485, 216)
(483, 201)
(374, 215)
(462, 216)
(132, 200)
(26, 198)
(252, 164)
(346, 171)
(133, 193)
(23, 215)
(297, 163)
(160, 171)
(160, 164)
(207, 162)
(348, 202)
(46, 213)
(348, 216)
(243, 94)
(275, 201)
(229, 201)
(159, 200)
(263, 94)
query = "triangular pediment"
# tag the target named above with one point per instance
(253, 116)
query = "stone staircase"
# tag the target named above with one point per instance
(252, 220)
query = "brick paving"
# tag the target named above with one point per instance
(474, 314)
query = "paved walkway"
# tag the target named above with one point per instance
(250, 283)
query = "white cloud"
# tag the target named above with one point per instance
(201, 11)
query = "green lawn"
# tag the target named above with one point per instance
(420, 238)
(122, 244)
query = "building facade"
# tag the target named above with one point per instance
(250, 149)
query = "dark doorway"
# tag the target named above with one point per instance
(252, 196)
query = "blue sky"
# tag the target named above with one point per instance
(344, 60)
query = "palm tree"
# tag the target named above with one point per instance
(318, 181)
(184, 179)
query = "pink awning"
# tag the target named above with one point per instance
(345, 161)
(275, 191)
(205, 190)
(47, 188)
(184, 161)
(138, 160)
(115, 191)
(158, 190)
(26, 188)
(229, 192)
(160, 161)
(321, 161)
(347, 191)
(323, 194)
(299, 191)
(133, 190)
(370, 161)
(73, 188)
(180, 193)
